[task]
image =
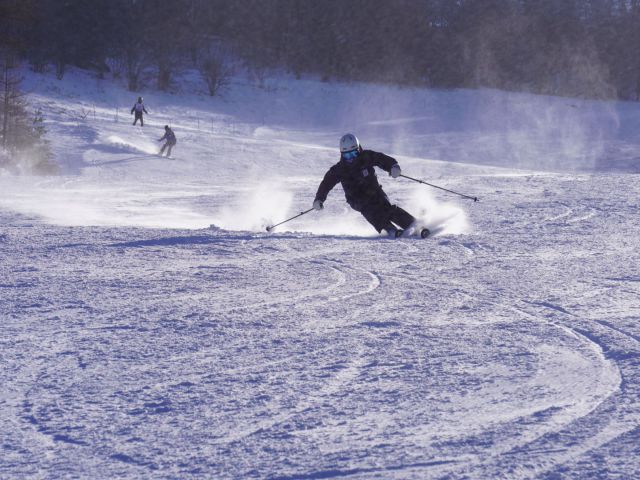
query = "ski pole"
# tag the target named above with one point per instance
(288, 219)
(475, 199)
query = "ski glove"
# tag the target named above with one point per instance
(395, 171)
(317, 205)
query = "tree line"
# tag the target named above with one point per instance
(581, 48)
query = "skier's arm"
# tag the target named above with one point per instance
(380, 160)
(133, 109)
(163, 137)
(145, 110)
(329, 181)
(387, 163)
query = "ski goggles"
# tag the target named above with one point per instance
(350, 155)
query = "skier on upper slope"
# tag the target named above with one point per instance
(138, 109)
(361, 188)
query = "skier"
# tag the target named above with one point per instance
(138, 109)
(361, 188)
(170, 138)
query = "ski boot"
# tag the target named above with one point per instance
(394, 232)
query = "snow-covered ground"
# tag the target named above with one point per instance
(152, 328)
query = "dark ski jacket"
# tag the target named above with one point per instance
(358, 178)
(138, 108)
(169, 136)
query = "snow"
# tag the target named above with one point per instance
(152, 328)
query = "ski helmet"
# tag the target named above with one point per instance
(349, 142)
(139, 99)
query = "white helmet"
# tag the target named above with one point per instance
(349, 142)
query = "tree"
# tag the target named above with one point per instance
(22, 136)
(10, 95)
(569, 47)
(215, 71)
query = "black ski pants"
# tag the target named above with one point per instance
(139, 117)
(382, 215)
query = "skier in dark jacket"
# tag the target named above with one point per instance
(139, 109)
(170, 138)
(361, 188)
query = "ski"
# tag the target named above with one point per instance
(400, 233)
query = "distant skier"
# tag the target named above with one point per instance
(170, 138)
(361, 188)
(138, 109)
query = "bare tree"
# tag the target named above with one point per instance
(134, 65)
(216, 72)
(532, 45)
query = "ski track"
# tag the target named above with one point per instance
(356, 348)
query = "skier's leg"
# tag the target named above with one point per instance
(169, 150)
(141, 121)
(401, 217)
(378, 213)
(373, 217)
(162, 149)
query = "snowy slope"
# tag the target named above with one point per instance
(154, 329)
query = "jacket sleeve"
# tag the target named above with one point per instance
(329, 181)
(385, 162)
(145, 110)
(133, 108)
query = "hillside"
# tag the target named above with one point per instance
(153, 328)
